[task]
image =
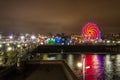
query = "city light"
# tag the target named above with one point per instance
(118, 42)
(8, 44)
(18, 46)
(33, 37)
(9, 48)
(108, 41)
(11, 37)
(22, 37)
(79, 64)
(0, 36)
(87, 67)
(0, 45)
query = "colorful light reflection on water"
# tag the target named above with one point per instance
(97, 66)
(95, 71)
(102, 67)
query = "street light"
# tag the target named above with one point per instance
(79, 64)
(118, 42)
(108, 41)
(18, 45)
(11, 37)
(82, 66)
(9, 48)
(22, 37)
(33, 37)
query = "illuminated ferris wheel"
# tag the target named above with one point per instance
(91, 32)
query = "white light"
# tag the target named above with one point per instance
(41, 43)
(8, 44)
(52, 58)
(9, 48)
(87, 67)
(26, 34)
(108, 63)
(22, 37)
(26, 45)
(96, 41)
(18, 45)
(118, 42)
(11, 37)
(79, 64)
(0, 45)
(108, 41)
(33, 37)
(4, 42)
(113, 41)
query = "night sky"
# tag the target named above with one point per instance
(58, 16)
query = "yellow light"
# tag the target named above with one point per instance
(0, 45)
(79, 64)
(118, 41)
(108, 41)
(18, 45)
(9, 48)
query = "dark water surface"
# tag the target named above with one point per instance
(94, 66)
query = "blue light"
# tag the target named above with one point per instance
(58, 40)
(68, 41)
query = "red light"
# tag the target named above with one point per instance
(90, 32)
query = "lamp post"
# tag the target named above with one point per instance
(19, 55)
(1, 57)
(82, 66)
(22, 38)
(9, 51)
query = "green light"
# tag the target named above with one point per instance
(51, 41)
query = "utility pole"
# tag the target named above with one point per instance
(83, 66)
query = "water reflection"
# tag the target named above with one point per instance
(70, 61)
(108, 67)
(118, 66)
(97, 66)
(93, 67)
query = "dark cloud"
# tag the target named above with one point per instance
(57, 16)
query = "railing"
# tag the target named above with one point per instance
(76, 48)
(68, 72)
